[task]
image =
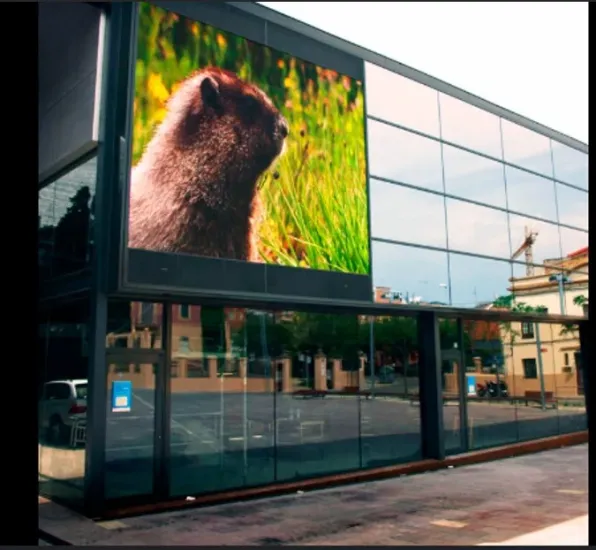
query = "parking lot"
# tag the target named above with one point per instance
(212, 447)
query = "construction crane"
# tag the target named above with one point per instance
(526, 247)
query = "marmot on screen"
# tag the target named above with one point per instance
(194, 190)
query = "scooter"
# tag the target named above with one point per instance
(492, 389)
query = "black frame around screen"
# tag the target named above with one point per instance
(171, 273)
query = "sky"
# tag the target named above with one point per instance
(528, 57)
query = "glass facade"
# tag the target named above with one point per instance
(192, 395)
(461, 181)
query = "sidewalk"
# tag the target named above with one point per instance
(538, 499)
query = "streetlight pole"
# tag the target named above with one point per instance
(561, 280)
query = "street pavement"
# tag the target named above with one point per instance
(541, 497)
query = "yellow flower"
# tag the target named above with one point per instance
(159, 115)
(288, 82)
(221, 41)
(157, 88)
(280, 63)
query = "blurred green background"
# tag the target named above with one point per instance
(316, 203)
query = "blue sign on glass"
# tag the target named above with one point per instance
(471, 385)
(121, 395)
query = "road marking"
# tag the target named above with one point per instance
(115, 524)
(571, 491)
(448, 523)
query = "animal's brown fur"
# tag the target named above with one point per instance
(194, 190)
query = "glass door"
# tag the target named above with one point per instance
(135, 413)
(453, 376)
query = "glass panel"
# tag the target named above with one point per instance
(62, 400)
(492, 416)
(530, 194)
(572, 206)
(451, 363)
(135, 325)
(540, 288)
(477, 282)
(65, 221)
(464, 124)
(477, 229)
(571, 165)
(396, 213)
(130, 428)
(327, 353)
(576, 291)
(390, 423)
(569, 379)
(573, 241)
(544, 237)
(406, 274)
(404, 157)
(394, 98)
(533, 369)
(527, 148)
(473, 177)
(222, 406)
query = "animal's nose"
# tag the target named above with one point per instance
(284, 129)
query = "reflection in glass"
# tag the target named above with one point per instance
(62, 390)
(526, 148)
(473, 177)
(390, 425)
(533, 370)
(134, 325)
(396, 213)
(407, 274)
(569, 378)
(65, 221)
(477, 282)
(451, 365)
(546, 243)
(129, 459)
(397, 99)
(324, 353)
(572, 240)
(404, 157)
(492, 418)
(571, 165)
(464, 124)
(573, 206)
(477, 229)
(531, 194)
(542, 286)
(222, 403)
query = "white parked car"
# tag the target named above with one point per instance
(63, 406)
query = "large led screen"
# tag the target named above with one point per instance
(242, 152)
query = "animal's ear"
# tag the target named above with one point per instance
(210, 92)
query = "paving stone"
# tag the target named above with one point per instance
(485, 503)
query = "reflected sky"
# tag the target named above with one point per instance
(473, 177)
(571, 165)
(572, 240)
(404, 157)
(466, 125)
(477, 280)
(402, 214)
(526, 148)
(410, 270)
(530, 194)
(477, 229)
(547, 245)
(573, 206)
(398, 99)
